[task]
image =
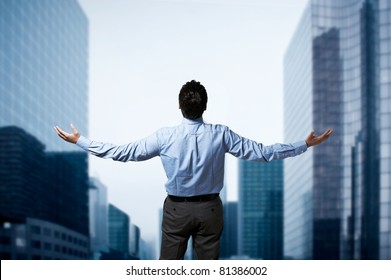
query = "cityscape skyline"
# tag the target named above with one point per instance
(337, 200)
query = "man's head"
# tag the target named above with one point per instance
(192, 100)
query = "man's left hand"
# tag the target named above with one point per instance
(313, 140)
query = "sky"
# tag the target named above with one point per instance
(140, 54)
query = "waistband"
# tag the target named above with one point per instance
(197, 198)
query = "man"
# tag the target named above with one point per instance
(192, 155)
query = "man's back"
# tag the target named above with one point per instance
(192, 154)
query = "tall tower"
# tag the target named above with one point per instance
(260, 209)
(43, 82)
(119, 226)
(98, 207)
(229, 236)
(337, 74)
(44, 68)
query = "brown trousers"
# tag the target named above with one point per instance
(201, 220)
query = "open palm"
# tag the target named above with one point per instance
(69, 137)
(313, 140)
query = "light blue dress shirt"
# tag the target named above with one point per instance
(192, 154)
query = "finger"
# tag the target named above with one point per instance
(324, 135)
(329, 131)
(73, 129)
(311, 135)
(62, 133)
(57, 129)
(59, 134)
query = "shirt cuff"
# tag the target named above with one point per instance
(300, 147)
(83, 143)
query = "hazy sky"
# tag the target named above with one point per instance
(143, 51)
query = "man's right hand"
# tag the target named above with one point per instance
(69, 137)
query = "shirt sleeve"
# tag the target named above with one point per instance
(247, 149)
(136, 151)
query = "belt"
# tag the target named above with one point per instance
(198, 198)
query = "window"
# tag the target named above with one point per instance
(5, 240)
(36, 229)
(47, 232)
(36, 244)
(47, 246)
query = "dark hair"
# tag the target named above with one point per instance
(192, 100)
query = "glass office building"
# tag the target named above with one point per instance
(43, 200)
(134, 242)
(98, 217)
(119, 226)
(43, 68)
(229, 236)
(260, 209)
(43, 82)
(337, 74)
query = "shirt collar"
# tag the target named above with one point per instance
(196, 121)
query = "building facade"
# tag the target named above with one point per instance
(337, 74)
(22, 163)
(229, 237)
(99, 216)
(43, 82)
(119, 225)
(36, 239)
(44, 68)
(43, 200)
(134, 243)
(67, 190)
(260, 209)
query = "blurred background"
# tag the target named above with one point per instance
(274, 70)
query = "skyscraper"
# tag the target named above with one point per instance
(43, 82)
(43, 200)
(337, 74)
(99, 212)
(134, 242)
(67, 190)
(43, 68)
(119, 226)
(229, 236)
(260, 209)
(22, 164)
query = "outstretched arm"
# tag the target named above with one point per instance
(136, 151)
(247, 149)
